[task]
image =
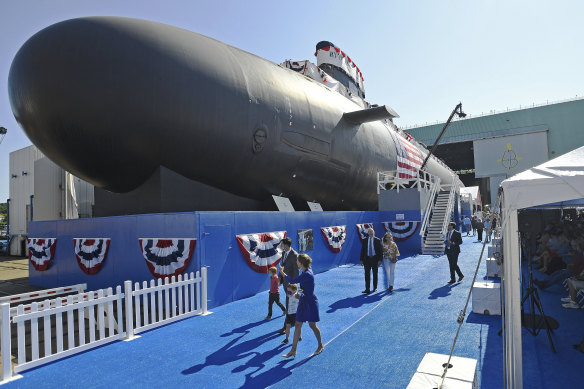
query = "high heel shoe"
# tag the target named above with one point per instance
(290, 354)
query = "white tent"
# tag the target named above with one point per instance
(557, 180)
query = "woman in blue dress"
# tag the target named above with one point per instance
(307, 306)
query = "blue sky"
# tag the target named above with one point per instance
(419, 57)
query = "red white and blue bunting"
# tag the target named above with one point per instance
(310, 70)
(167, 257)
(401, 230)
(335, 56)
(363, 230)
(261, 250)
(335, 237)
(91, 253)
(41, 252)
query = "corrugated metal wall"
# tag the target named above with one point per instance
(21, 186)
(565, 122)
(48, 184)
(31, 173)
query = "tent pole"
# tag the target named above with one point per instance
(512, 298)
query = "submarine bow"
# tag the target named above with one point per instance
(112, 99)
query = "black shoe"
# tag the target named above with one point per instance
(451, 281)
(366, 291)
(282, 331)
(285, 341)
(374, 290)
(460, 278)
(300, 338)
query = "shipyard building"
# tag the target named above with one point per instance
(484, 150)
(41, 190)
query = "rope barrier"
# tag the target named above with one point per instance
(462, 314)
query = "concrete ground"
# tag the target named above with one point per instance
(14, 276)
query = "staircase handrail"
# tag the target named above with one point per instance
(450, 207)
(430, 205)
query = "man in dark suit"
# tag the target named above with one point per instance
(371, 254)
(453, 242)
(289, 257)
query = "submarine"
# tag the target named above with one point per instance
(113, 99)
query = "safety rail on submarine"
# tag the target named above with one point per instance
(387, 180)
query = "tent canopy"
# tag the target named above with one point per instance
(560, 179)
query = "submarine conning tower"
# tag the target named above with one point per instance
(333, 61)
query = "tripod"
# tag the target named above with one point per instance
(533, 323)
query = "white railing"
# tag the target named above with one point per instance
(450, 207)
(424, 180)
(90, 319)
(163, 303)
(72, 299)
(72, 341)
(17, 298)
(429, 206)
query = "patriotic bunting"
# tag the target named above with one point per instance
(335, 56)
(363, 230)
(335, 237)
(401, 230)
(310, 70)
(41, 252)
(167, 257)
(261, 250)
(91, 253)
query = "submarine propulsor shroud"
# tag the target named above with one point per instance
(111, 99)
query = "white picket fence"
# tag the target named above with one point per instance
(16, 298)
(152, 306)
(163, 303)
(72, 299)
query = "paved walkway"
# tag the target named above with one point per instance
(14, 276)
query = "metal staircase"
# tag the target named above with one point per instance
(434, 240)
(438, 210)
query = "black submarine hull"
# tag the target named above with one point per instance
(112, 99)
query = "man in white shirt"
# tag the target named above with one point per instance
(371, 254)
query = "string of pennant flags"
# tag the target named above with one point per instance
(170, 256)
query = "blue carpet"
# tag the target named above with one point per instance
(374, 340)
(542, 367)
